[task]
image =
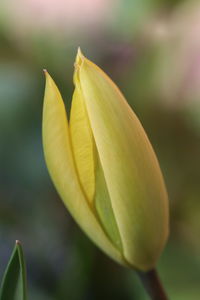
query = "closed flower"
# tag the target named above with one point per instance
(104, 168)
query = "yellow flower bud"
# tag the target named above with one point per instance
(104, 168)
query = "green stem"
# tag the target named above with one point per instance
(153, 285)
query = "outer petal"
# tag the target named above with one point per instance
(131, 170)
(58, 155)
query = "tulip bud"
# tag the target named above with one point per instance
(104, 168)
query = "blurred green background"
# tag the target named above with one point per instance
(151, 48)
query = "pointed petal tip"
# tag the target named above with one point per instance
(77, 64)
(47, 75)
(79, 50)
(79, 58)
(49, 79)
(80, 53)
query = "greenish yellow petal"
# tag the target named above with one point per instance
(83, 146)
(104, 209)
(89, 168)
(59, 160)
(131, 169)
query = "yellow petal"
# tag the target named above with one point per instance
(104, 208)
(59, 160)
(89, 168)
(83, 147)
(131, 169)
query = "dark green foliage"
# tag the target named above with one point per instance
(13, 285)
